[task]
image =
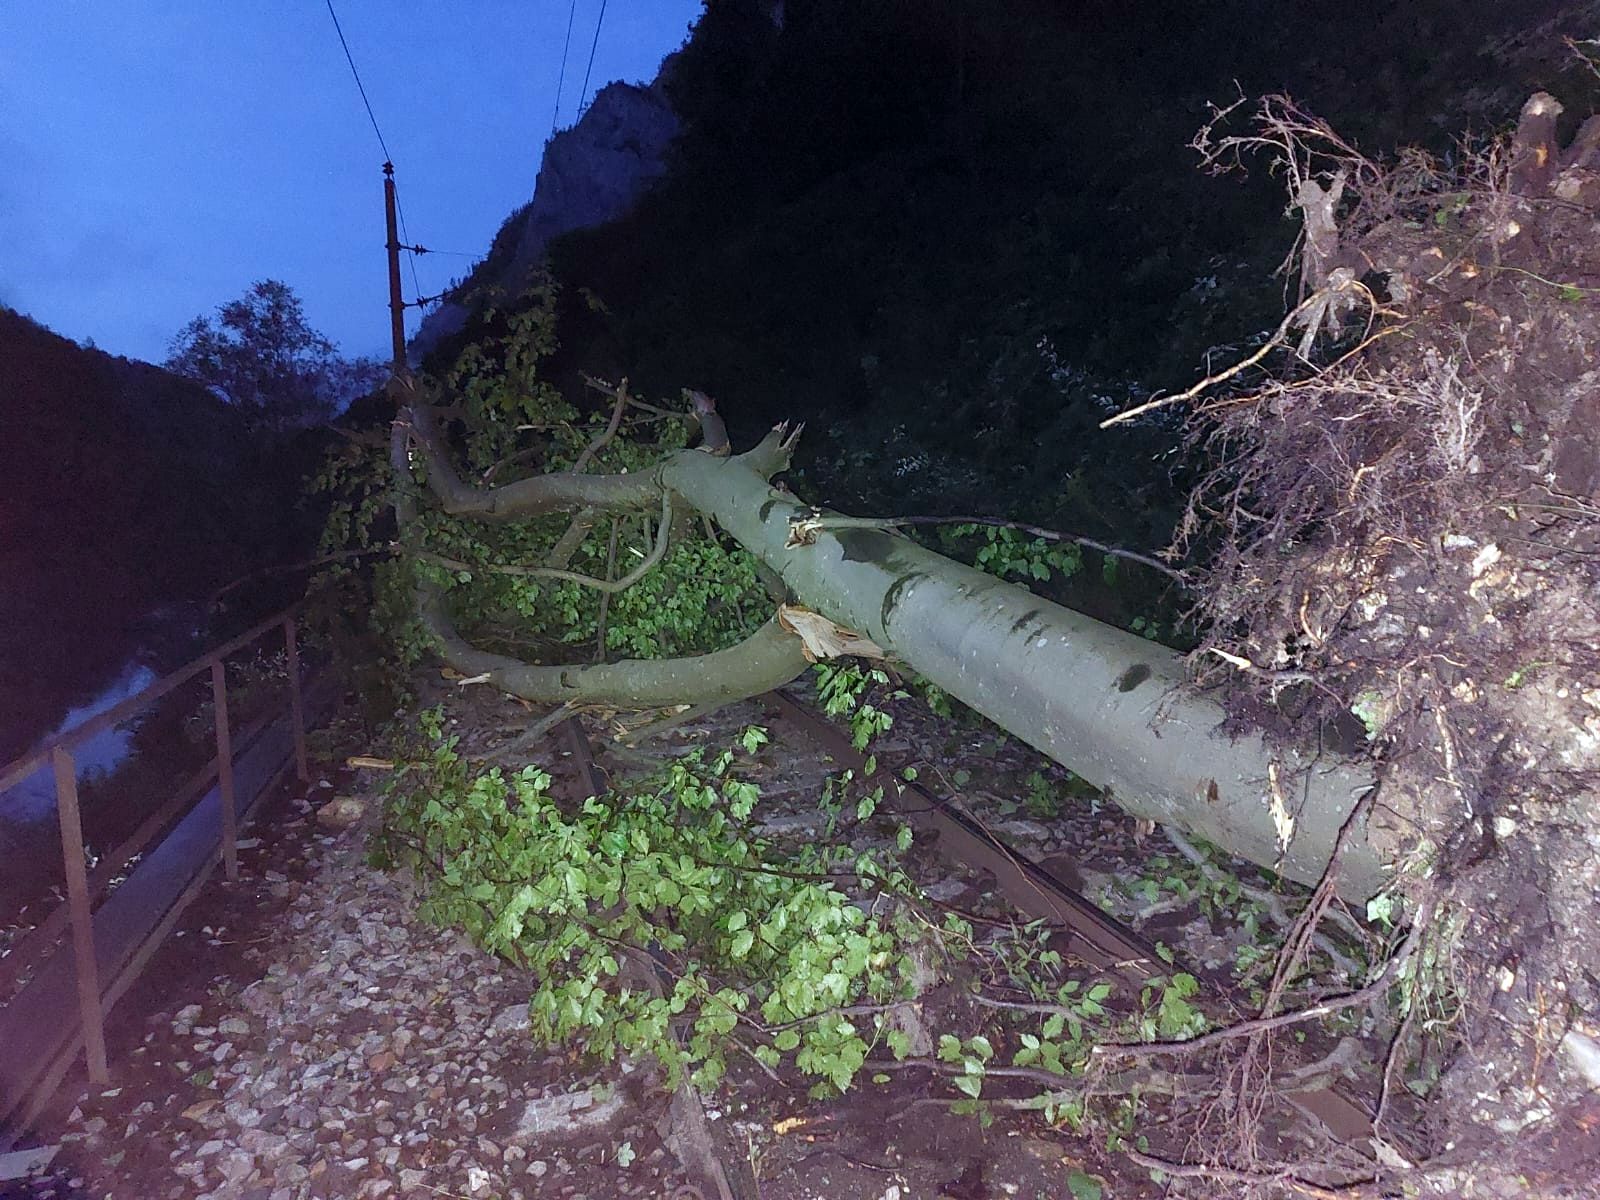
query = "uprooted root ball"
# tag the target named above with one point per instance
(1414, 528)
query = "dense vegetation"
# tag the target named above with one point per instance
(881, 211)
(957, 290)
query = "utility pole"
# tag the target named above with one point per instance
(397, 306)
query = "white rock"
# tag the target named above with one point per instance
(567, 1112)
(237, 1166)
(20, 1163)
(511, 1019)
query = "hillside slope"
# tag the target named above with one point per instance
(127, 488)
(877, 210)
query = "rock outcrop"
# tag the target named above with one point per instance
(592, 173)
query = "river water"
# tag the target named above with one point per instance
(33, 800)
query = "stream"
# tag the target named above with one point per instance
(33, 800)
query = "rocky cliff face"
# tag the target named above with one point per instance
(591, 173)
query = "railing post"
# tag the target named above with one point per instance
(297, 712)
(90, 1012)
(230, 819)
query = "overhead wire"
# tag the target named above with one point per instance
(383, 145)
(584, 93)
(561, 79)
(349, 58)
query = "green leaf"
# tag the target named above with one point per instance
(1084, 1187)
(625, 1154)
(972, 1085)
(742, 942)
(899, 1043)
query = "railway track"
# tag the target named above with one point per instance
(1080, 927)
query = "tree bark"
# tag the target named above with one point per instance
(1110, 706)
(767, 659)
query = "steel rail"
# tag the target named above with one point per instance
(1094, 935)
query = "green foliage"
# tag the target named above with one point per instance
(1165, 1008)
(267, 361)
(1042, 799)
(1062, 1042)
(654, 923)
(703, 595)
(1146, 627)
(842, 689)
(935, 697)
(1005, 552)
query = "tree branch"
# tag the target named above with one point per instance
(523, 498)
(768, 658)
(608, 586)
(607, 434)
(1049, 535)
(567, 544)
(1322, 1008)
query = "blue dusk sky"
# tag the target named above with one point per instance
(156, 158)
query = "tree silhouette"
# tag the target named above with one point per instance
(262, 357)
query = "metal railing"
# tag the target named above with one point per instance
(82, 885)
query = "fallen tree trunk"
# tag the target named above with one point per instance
(1106, 704)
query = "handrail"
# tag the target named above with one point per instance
(20, 768)
(57, 751)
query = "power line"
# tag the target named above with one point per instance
(555, 117)
(431, 250)
(411, 255)
(351, 60)
(387, 157)
(599, 21)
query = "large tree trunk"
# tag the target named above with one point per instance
(1108, 705)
